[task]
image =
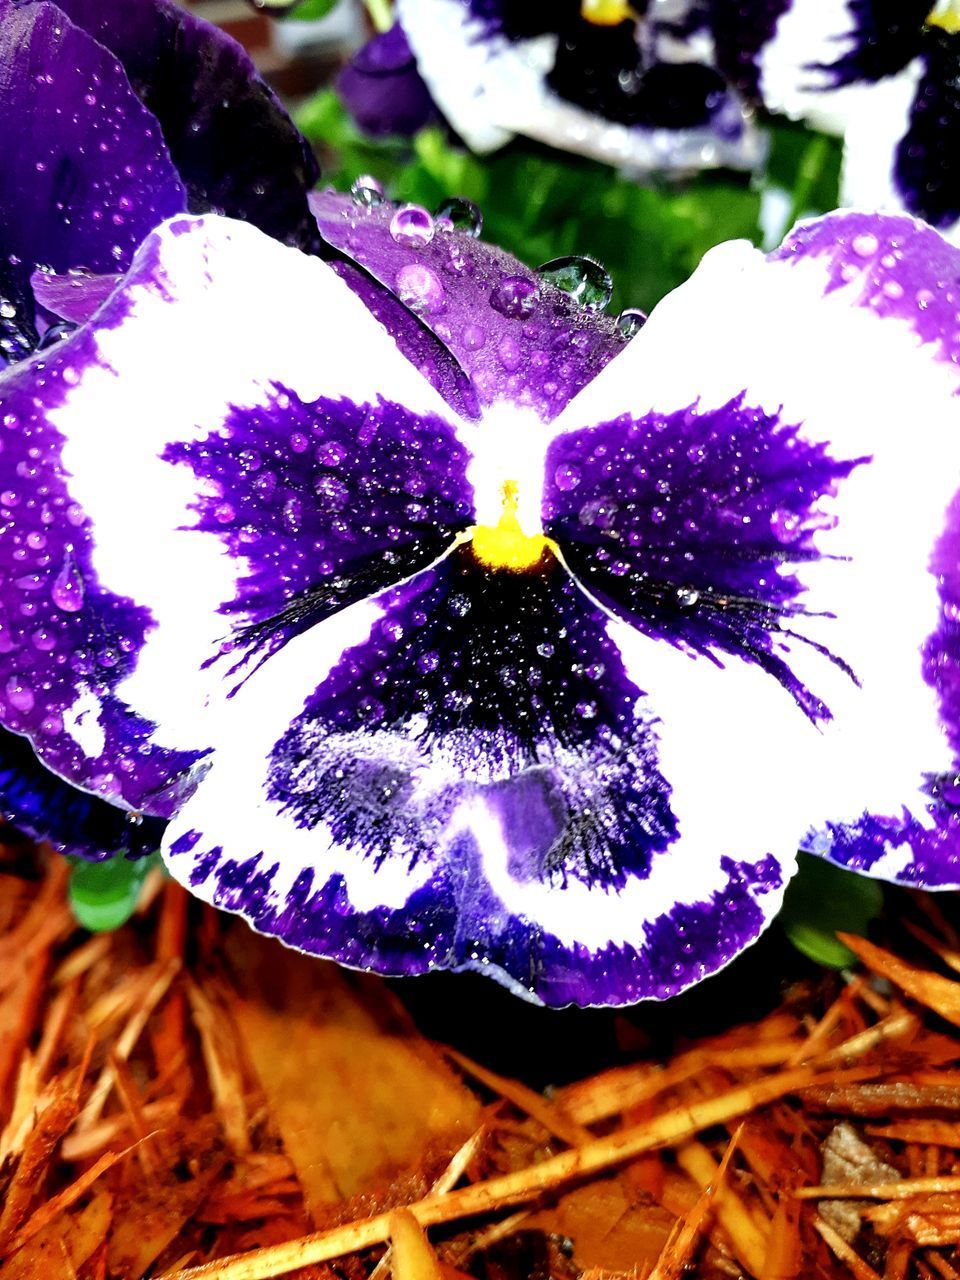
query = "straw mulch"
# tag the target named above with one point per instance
(181, 1098)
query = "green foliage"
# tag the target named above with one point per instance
(306, 11)
(541, 204)
(103, 895)
(823, 900)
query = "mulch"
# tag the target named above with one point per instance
(181, 1098)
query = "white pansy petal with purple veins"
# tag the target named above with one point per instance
(622, 94)
(166, 544)
(475, 784)
(831, 370)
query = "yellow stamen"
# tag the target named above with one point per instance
(606, 13)
(945, 14)
(504, 545)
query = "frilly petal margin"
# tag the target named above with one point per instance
(251, 502)
(848, 336)
(474, 784)
(231, 139)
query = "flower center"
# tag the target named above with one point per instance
(945, 14)
(606, 13)
(504, 545)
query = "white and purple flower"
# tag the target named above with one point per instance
(452, 627)
(885, 74)
(637, 85)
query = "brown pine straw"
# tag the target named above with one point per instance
(185, 1100)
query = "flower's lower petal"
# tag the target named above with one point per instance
(842, 346)
(85, 173)
(517, 338)
(233, 142)
(827, 59)
(168, 526)
(491, 85)
(45, 807)
(477, 783)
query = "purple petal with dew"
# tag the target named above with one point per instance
(234, 145)
(383, 90)
(45, 807)
(475, 784)
(84, 170)
(849, 334)
(73, 296)
(686, 524)
(518, 338)
(268, 483)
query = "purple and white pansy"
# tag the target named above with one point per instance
(451, 626)
(638, 85)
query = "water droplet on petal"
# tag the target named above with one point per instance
(56, 333)
(19, 694)
(412, 226)
(687, 597)
(515, 297)
(630, 321)
(420, 289)
(67, 589)
(866, 245)
(587, 282)
(367, 192)
(462, 215)
(567, 476)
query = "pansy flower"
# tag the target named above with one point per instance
(634, 84)
(886, 74)
(452, 626)
(117, 116)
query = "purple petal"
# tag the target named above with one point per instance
(233, 143)
(926, 172)
(518, 338)
(84, 170)
(474, 785)
(842, 347)
(383, 90)
(76, 296)
(281, 473)
(45, 807)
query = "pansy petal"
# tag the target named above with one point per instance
(233, 143)
(493, 80)
(475, 784)
(828, 59)
(75, 296)
(841, 348)
(166, 530)
(45, 807)
(925, 175)
(517, 337)
(84, 170)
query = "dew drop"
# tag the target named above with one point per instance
(866, 245)
(515, 297)
(462, 215)
(367, 192)
(420, 289)
(687, 597)
(19, 694)
(67, 589)
(412, 226)
(587, 282)
(567, 476)
(630, 321)
(56, 333)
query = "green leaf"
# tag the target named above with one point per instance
(104, 895)
(306, 11)
(823, 900)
